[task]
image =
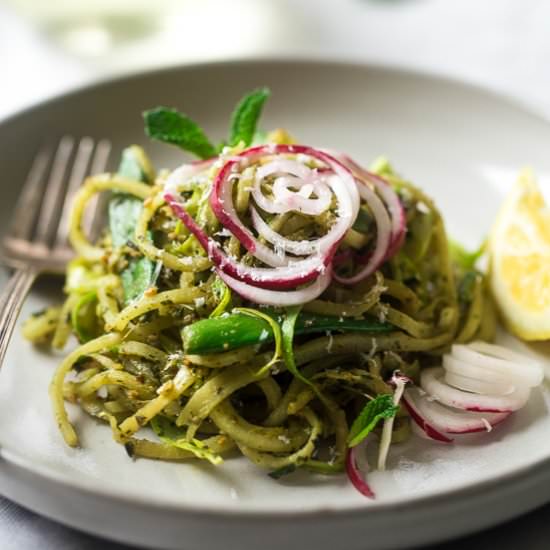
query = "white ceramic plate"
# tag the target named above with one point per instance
(463, 146)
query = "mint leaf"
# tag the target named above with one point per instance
(170, 126)
(246, 115)
(377, 409)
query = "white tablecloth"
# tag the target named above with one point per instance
(502, 44)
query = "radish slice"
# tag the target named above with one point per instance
(277, 298)
(410, 402)
(456, 366)
(430, 380)
(443, 419)
(501, 360)
(477, 386)
(355, 475)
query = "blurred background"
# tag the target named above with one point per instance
(47, 46)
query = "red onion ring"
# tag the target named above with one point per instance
(182, 174)
(383, 236)
(277, 298)
(321, 246)
(342, 186)
(278, 278)
(298, 176)
(395, 208)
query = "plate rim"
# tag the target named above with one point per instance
(516, 477)
(511, 99)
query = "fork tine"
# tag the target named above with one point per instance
(27, 205)
(78, 172)
(50, 210)
(93, 218)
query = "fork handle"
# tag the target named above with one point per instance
(11, 300)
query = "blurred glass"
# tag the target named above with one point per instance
(91, 27)
(121, 32)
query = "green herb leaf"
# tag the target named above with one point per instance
(375, 410)
(276, 330)
(287, 329)
(136, 278)
(259, 138)
(170, 126)
(245, 116)
(124, 212)
(135, 165)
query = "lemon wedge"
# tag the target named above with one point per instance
(519, 252)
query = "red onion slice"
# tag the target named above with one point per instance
(300, 248)
(345, 191)
(430, 380)
(277, 298)
(356, 476)
(395, 208)
(292, 174)
(184, 174)
(321, 246)
(281, 277)
(383, 236)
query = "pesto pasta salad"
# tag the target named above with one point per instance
(275, 300)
